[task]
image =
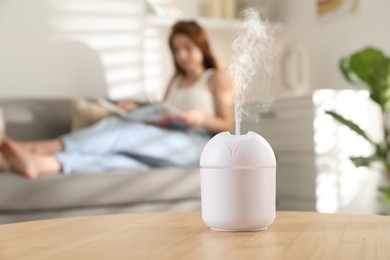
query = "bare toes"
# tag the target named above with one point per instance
(19, 160)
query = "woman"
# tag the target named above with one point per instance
(198, 88)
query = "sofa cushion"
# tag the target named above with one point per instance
(88, 190)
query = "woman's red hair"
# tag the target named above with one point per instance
(192, 30)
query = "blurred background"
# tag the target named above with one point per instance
(118, 49)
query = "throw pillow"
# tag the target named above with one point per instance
(86, 113)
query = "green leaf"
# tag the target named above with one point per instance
(363, 62)
(366, 161)
(345, 67)
(354, 127)
(371, 68)
(380, 82)
(385, 192)
(381, 150)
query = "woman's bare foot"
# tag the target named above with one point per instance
(19, 160)
(45, 147)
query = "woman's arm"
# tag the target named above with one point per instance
(127, 105)
(131, 105)
(169, 87)
(221, 87)
(222, 91)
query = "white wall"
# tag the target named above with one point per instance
(39, 59)
(32, 64)
(53, 48)
(329, 40)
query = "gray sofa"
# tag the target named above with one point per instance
(84, 194)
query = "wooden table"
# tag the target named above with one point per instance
(294, 235)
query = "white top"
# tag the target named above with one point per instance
(197, 96)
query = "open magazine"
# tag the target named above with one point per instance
(161, 114)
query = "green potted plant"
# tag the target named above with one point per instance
(370, 68)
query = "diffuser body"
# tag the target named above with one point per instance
(238, 175)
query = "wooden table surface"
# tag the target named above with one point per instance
(293, 235)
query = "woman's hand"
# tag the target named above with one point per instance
(193, 118)
(127, 105)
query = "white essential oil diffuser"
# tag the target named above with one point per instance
(238, 175)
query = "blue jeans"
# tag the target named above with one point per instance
(115, 143)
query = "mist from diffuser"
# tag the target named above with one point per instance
(252, 53)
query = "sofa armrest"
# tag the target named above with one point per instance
(31, 119)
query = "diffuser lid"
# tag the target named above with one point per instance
(243, 151)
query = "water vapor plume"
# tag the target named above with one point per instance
(252, 53)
